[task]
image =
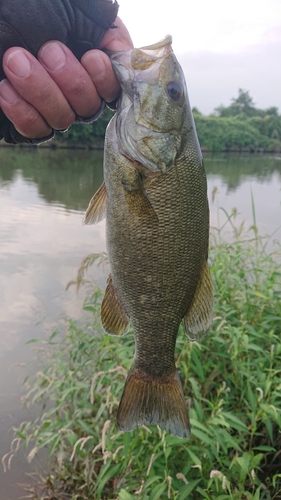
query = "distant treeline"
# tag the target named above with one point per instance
(241, 126)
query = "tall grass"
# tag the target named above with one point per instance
(231, 381)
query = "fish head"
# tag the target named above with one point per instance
(153, 115)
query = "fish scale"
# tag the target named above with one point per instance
(157, 230)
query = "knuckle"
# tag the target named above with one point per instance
(77, 87)
(61, 117)
(28, 120)
(54, 107)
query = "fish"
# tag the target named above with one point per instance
(154, 199)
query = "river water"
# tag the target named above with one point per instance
(43, 194)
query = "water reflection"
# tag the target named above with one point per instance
(235, 169)
(43, 194)
(63, 177)
(239, 180)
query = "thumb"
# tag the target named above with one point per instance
(117, 38)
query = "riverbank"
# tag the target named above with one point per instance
(99, 146)
(238, 128)
(231, 380)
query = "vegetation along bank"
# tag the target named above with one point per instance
(231, 380)
(241, 126)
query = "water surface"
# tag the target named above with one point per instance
(43, 194)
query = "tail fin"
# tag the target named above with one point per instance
(153, 400)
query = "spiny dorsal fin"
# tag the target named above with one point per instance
(198, 320)
(97, 206)
(114, 319)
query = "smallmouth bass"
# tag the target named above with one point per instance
(154, 197)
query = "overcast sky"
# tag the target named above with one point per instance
(222, 45)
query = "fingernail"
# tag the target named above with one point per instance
(18, 63)
(52, 56)
(8, 93)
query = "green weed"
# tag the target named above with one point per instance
(231, 380)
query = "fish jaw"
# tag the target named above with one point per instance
(154, 116)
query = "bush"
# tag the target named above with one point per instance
(231, 380)
(238, 133)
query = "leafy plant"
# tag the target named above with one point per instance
(231, 380)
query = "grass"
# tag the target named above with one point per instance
(231, 381)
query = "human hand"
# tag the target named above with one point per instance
(48, 93)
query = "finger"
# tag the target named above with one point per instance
(98, 66)
(71, 77)
(36, 86)
(24, 117)
(117, 38)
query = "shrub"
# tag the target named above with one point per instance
(231, 380)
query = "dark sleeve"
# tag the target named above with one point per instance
(80, 24)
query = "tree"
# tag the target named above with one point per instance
(196, 111)
(241, 104)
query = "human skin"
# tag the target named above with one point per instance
(47, 93)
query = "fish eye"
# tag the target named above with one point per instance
(174, 91)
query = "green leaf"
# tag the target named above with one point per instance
(264, 448)
(257, 494)
(86, 427)
(47, 440)
(195, 423)
(107, 472)
(230, 441)
(187, 489)
(198, 364)
(54, 445)
(20, 435)
(124, 495)
(157, 491)
(54, 334)
(251, 398)
(244, 462)
(150, 481)
(196, 460)
(259, 294)
(175, 441)
(203, 493)
(195, 387)
(235, 422)
(269, 428)
(199, 410)
(202, 436)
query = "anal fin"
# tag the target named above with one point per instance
(97, 206)
(198, 319)
(114, 319)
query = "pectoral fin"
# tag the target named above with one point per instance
(96, 209)
(136, 196)
(198, 320)
(114, 319)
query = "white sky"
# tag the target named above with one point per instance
(206, 31)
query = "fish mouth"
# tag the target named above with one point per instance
(128, 64)
(159, 45)
(143, 135)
